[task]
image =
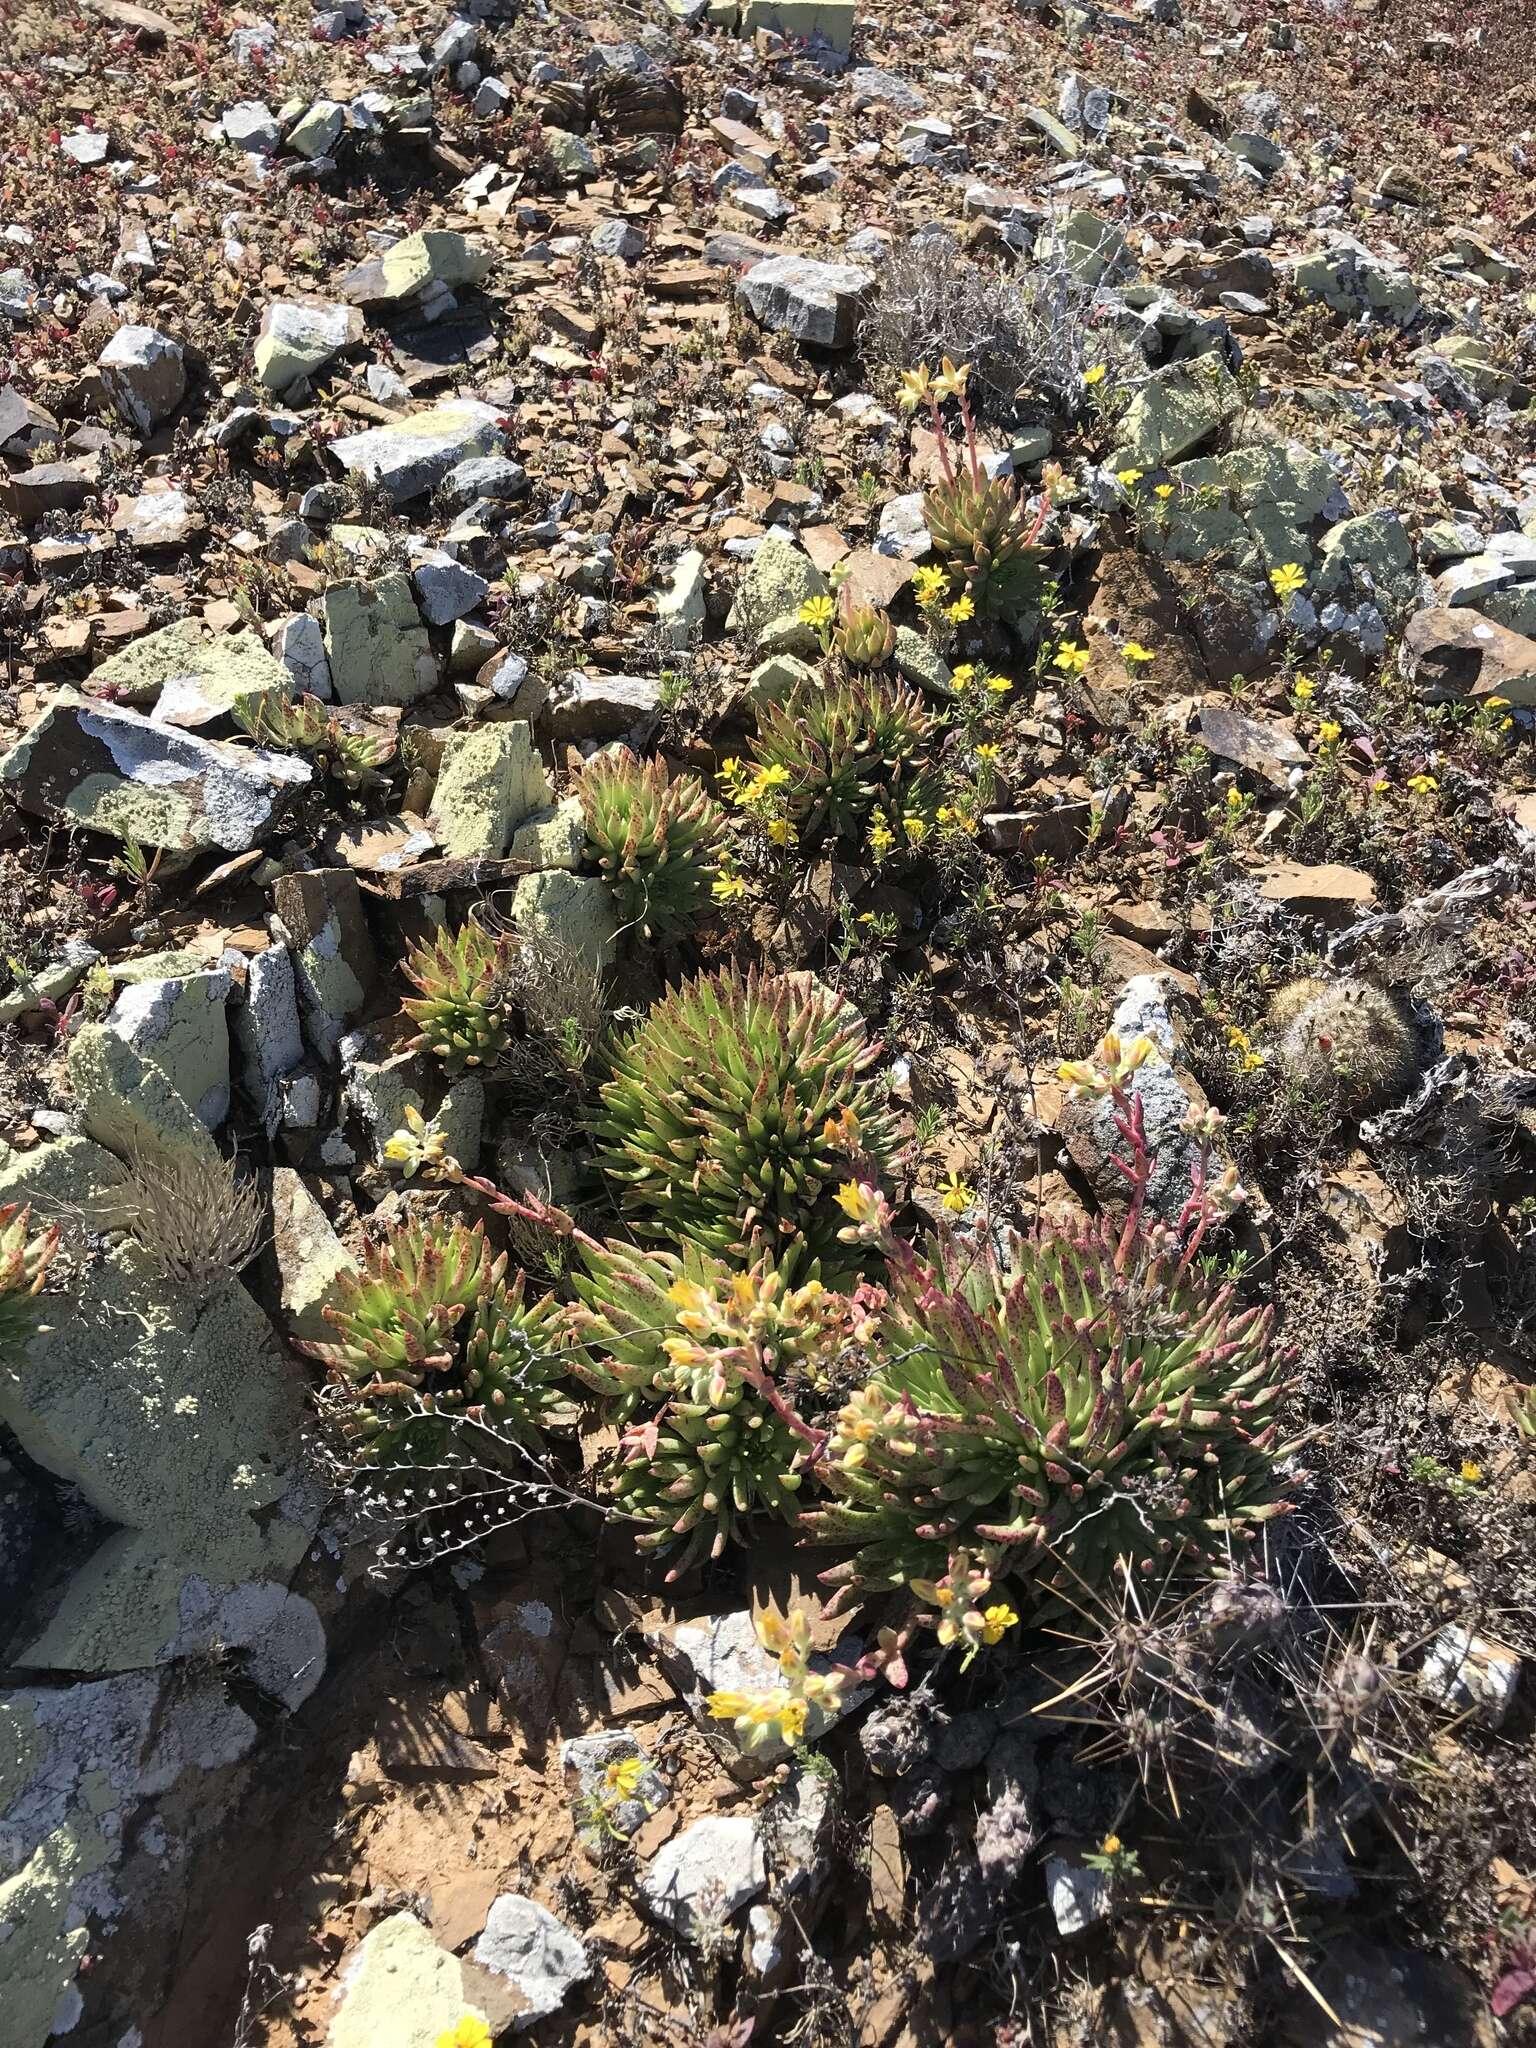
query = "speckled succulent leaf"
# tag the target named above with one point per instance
(432, 1329)
(653, 839)
(724, 1111)
(24, 1260)
(848, 746)
(1057, 1412)
(462, 1009)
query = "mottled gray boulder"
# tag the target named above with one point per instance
(413, 454)
(375, 643)
(144, 375)
(298, 337)
(819, 303)
(178, 1022)
(539, 1954)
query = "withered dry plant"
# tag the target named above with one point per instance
(194, 1213)
(1020, 330)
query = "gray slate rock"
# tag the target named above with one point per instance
(813, 302)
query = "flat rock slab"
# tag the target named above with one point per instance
(299, 337)
(708, 1872)
(116, 772)
(191, 679)
(375, 643)
(437, 256)
(537, 1954)
(490, 781)
(1336, 895)
(179, 1022)
(413, 455)
(1451, 652)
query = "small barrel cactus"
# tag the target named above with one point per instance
(430, 1330)
(24, 1261)
(1345, 1036)
(733, 1111)
(707, 1364)
(847, 747)
(1045, 1418)
(653, 839)
(465, 983)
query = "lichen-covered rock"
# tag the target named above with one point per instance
(812, 302)
(376, 644)
(704, 1876)
(490, 782)
(178, 1022)
(575, 911)
(410, 455)
(778, 580)
(1174, 411)
(127, 1103)
(400, 1989)
(116, 772)
(320, 914)
(299, 337)
(538, 1955)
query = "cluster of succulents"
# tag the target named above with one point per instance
(465, 981)
(846, 748)
(1345, 1037)
(1047, 1417)
(708, 1365)
(981, 527)
(307, 726)
(24, 1261)
(653, 838)
(734, 1109)
(431, 1330)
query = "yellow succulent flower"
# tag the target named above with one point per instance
(950, 383)
(917, 388)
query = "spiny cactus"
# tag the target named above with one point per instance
(707, 1364)
(653, 839)
(735, 1108)
(1347, 1036)
(307, 726)
(465, 983)
(1043, 1419)
(24, 1261)
(863, 635)
(431, 1330)
(847, 747)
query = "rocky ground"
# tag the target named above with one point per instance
(412, 424)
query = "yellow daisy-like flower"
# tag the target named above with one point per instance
(962, 676)
(963, 608)
(817, 612)
(1111, 1846)
(987, 750)
(1096, 375)
(1163, 491)
(1287, 580)
(1070, 658)
(1423, 785)
(728, 888)
(469, 2033)
(995, 1621)
(881, 837)
(1304, 689)
(1133, 651)
(999, 686)
(956, 1195)
(778, 831)
(624, 1778)
(1471, 1475)
(1235, 799)
(929, 585)
(1329, 733)
(1128, 479)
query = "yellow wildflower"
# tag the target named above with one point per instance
(1303, 689)
(728, 888)
(1128, 479)
(916, 828)
(469, 2033)
(999, 686)
(1070, 658)
(950, 382)
(418, 1147)
(962, 676)
(881, 837)
(1423, 785)
(1111, 1846)
(1096, 375)
(1471, 1475)
(728, 1706)
(624, 1778)
(1287, 580)
(956, 1195)
(1329, 733)
(1236, 801)
(1164, 491)
(963, 608)
(987, 750)
(817, 612)
(995, 1621)
(1133, 651)
(791, 1719)
(778, 831)
(929, 585)
(917, 388)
